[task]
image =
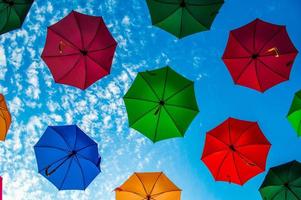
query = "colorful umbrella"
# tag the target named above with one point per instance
(259, 55)
(80, 54)
(67, 157)
(235, 151)
(294, 114)
(161, 104)
(148, 186)
(13, 13)
(282, 182)
(183, 17)
(5, 118)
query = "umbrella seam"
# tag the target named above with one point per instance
(201, 23)
(105, 48)
(141, 183)
(149, 86)
(177, 92)
(70, 70)
(239, 42)
(106, 70)
(244, 132)
(238, 175)
(180, 106)
(182, 134)
(143, 115)
(220, 166)
(272, 69)
(79, 28)
(81, 170)
(67, 172)
(63, 37)
(137, 99)
(51, 147)
(59, 134)
(59, 56)
(242, 71)
(155, 183)
(173, 12)
(271, 38)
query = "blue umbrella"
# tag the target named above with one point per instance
(67, 157)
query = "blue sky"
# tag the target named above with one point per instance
(35, 101)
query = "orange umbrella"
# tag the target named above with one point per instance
(5, 118)
(148, 186)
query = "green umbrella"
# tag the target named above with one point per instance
(294, 114)
(183, 17)
(161, 104)
(13, 13)
(282, 182)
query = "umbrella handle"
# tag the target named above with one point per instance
(245, 160)
(275, 50)
(54, 170)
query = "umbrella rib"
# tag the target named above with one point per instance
(272, 69)
(257, 74)
(158, 194)
(157, 124)
(61, 137)
(219, 140)
(271, 38)
(97, 63)
(59, 56)
(141, 183)
(181, 90)
(73, 45)
(220, 166)
(86, 66)
(147, 112)
(81, 170)
(85, 158)
(173, 121)
(208, 28)
(168, 15)
(243, 70)
(239, 42)
(155, 183)
(277, 193)
(51, 147)
(102, 49)
(70, 70)
(181, 106)
(68, 169)
(86, 147)
(244, 132)
(146, 100)
(237, 172)
(80, 31)
(91, 42)
(254, 35)
(164, 88)
(131, 192)
(149, 85)
(181, 23)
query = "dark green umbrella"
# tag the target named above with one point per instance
(161, 104)
(13, 13)
(294, 114)
(183, 17)
(282, 182)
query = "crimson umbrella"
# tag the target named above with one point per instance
(259, 55)
(79, 50)
(235, 151)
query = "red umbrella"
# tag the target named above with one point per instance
(259, 55)
(235, 151)
(79, 50)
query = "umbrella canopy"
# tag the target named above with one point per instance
(259, 55)
(282, 182)
(148, 186)
(161, 104)
(67, 157)
(294, 114)
(183, 17)
(80, 54)
(235, 151)
(13, 13)
(5, 118)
